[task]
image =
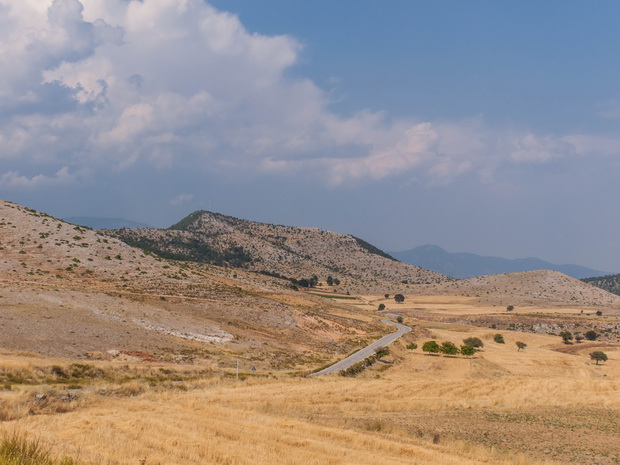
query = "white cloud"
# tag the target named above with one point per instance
(11, 179)
(111, 84)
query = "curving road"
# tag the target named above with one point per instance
(366, 351)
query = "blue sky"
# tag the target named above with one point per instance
(480, 126)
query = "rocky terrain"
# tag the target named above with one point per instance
(285, 251)
(69, 291)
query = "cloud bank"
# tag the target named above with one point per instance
(108, 85)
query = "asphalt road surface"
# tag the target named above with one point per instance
(366, 351)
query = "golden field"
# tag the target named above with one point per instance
(540, 405)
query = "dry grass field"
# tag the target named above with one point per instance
(539, 405)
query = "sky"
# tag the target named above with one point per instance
(479, 126)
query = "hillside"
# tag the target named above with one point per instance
(469, 265)
(609, 283)
(277, 250)
(530, 288)
(70, 291)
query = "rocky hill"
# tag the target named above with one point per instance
(531, 288)
(610, 283)
(69, 291)
(276, 250)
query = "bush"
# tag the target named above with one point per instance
(399, 298)
(448, 348)
(473, 342)
(16, 449)
(591, 335)
(381, 307)
(520, 345)
(399, 319)
(430, 347)
(498, 338)
(468, 350)
(566, 336)
(412, 346)
(510, 308)
(599, 313)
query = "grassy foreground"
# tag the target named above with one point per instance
(503, 407)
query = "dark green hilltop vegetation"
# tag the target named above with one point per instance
(609, 283)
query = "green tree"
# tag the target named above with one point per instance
(330, 280)
(381, 307)
(431, 347)
(382, 351)
(499, 338)
(412, 346)
(387, 296)
(591, 335)
(520, 346)
(599, 313)
(336, 282)
(598, 356)
(510, 308)
(399, 298)
(448, 348)
(566, 336)
(468, 350)
(473, 342)
(399, 319)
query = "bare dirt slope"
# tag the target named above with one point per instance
(70, 291)
(283, 250)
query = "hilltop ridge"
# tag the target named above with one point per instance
(287, 251)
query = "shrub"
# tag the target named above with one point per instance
(520, 346)
(473, 342)
(468, 350)
(566, 336)
(399, 298)
(448, 348)
(599, 313)
(499, 338)
(510, 308)
(412, 346)
(591, 335)
(381, 307)
(399, 319)
(16, 449)
(430, 347)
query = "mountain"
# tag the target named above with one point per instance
(469, 265)
(276, 250)
(104, 223)
(610, 283)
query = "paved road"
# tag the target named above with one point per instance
(366, 351)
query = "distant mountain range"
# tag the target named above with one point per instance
(104, 223)
(469, 265)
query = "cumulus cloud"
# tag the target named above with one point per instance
(11, 179)
(111, 84)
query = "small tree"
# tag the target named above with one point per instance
(387, 296)
(591, 335)
(399, 298)
(330, 281)
(599, 313)
(468, 350)
(473, 342)
(336, 282)
(520, 346)
(598, 356)
(430, 347)
(578, 338)
(566, 336)
(448, 348)
(382, 351)
(399, 319)
(510, 308)
(498, 338)
(412, 346)
(381, 307)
